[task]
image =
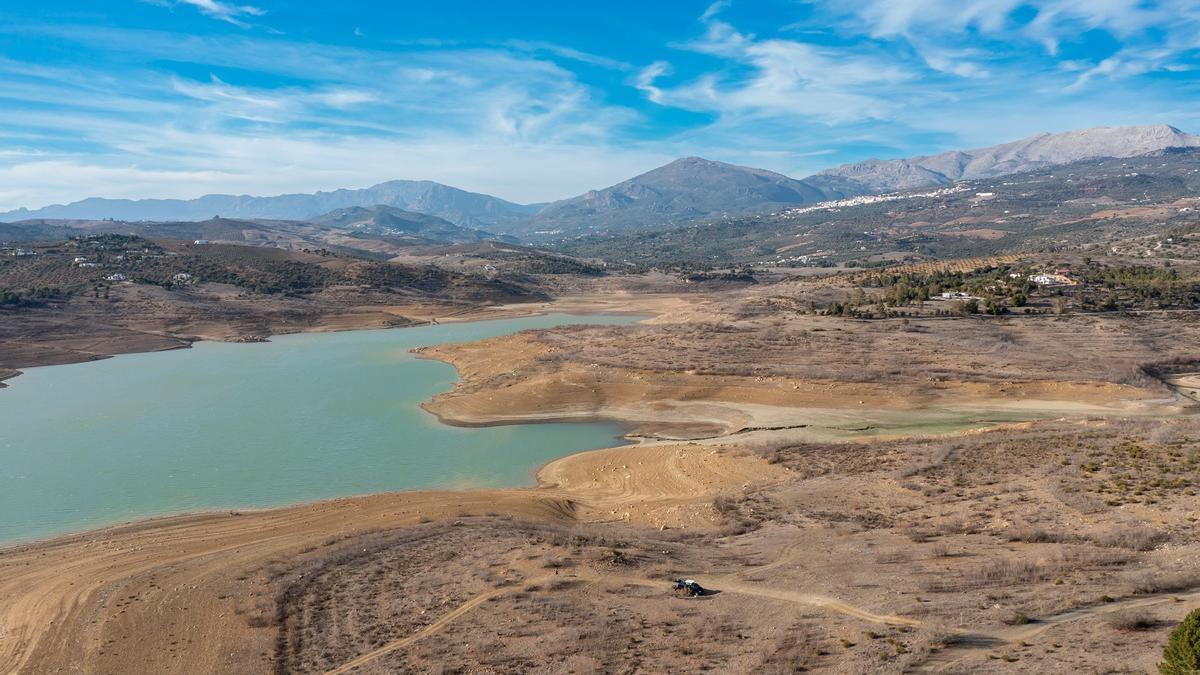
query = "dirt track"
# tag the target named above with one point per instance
(965, 644)
(166, 595)
(70, 598)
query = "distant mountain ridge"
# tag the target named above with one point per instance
(339, 227)
(469, 209)
(1028, 154)
(684, 190)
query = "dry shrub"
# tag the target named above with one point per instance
(1131, 619)
(892, 557)
(1134, 538)
(1063, 562)
(1145, 582)
(1036, 535)
(767, 448)
(736, 521)
(797, 651)
(955, 525)
(259, 621)
(551, 562)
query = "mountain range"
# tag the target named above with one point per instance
(1028, 154)
(353, 227)
(468, 209)
(684, 190)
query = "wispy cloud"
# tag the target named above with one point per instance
(1153, 33)
(788, 78)
(224, 11)
(714, 9)
(568, 53)
(345, 117)
(105, 109)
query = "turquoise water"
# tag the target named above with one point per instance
(300, 418)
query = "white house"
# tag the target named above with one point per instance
(1046, 279)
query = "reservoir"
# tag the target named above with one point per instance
(303, 417)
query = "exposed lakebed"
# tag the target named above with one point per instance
(302, 417)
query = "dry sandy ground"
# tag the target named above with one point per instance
(504, 380)
(852, 557)
(847, 557)
(165, 593)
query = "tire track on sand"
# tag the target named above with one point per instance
(425, 632)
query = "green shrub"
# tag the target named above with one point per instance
(1182, 655)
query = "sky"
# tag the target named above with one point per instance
(541, 100)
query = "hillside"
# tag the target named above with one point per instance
(1085, 204)
(378, 230)
(683, 190)
(1028, 154)
(398, 223)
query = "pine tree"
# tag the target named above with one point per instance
(1182, 655)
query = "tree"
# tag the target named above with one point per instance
(860, 297)
(1182, 654)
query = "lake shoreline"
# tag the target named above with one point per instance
(203, 567)
(419, 315)
(389, 476)
(476, 314)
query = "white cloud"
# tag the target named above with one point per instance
(224, 11)
(646, 78)
(1172, 25)
(225, 163)
(714, 9)
(961, 62)
(519, 119)
(568, 53)
(886, 18)
(270, 105)
(789, 79)
(493, 120)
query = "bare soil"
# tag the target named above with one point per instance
(983, 495)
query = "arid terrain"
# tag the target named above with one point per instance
(579, 338)
(939, 493)
(974, 464)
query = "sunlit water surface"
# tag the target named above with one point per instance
(300, 418)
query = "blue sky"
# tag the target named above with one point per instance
(535, 101)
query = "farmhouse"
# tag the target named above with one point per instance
(1056, 279)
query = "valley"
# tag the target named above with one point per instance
(879, 540)
(926, 425)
